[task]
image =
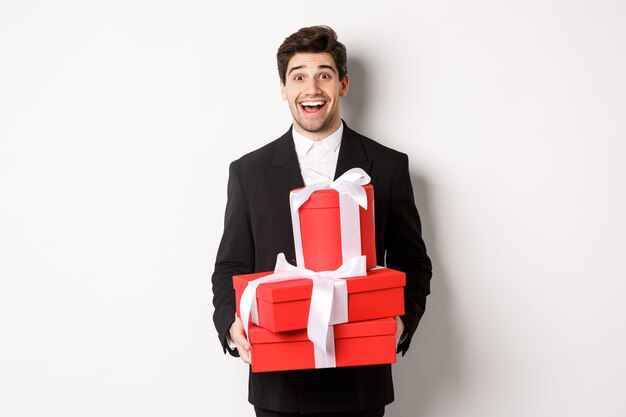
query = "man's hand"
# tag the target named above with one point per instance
(238, 335)
(399, 329)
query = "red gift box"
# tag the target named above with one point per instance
(362, 343)
(321, 232)
(284, 306)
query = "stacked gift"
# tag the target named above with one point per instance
(336, 307)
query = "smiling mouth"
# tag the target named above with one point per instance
(312, 106)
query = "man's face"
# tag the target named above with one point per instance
(312, 88)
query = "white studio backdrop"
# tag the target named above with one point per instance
(117, 124)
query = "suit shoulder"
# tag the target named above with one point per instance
(259, 157)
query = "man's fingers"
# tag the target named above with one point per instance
(238, 335)
(243, 345)
(399, 329)
(244, 354)
(240, 340)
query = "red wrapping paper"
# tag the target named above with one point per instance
(362, 343)
(284, 306)
(321, 231)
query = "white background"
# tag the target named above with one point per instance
(117, 123)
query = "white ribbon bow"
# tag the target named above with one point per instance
(351, 196)
(329, 302)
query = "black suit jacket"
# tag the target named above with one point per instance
(257, 227)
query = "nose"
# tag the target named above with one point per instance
(312, 87)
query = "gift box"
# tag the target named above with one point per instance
(324, 238)
(362, 343)
(284, 306)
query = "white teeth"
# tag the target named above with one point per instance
(312, 103)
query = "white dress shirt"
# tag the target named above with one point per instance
(318, 159)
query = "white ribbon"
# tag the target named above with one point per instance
(329, 302)
(351, 196)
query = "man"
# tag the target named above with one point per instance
(318, 147)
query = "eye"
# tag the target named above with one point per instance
(298, 78)
(324, 76)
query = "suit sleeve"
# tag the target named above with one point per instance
(406, 250)
(235, 256)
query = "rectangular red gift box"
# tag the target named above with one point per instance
(362, 343)
(284, 306)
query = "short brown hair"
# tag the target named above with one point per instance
(314, 39)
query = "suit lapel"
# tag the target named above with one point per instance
(284, 173)
(284, 169)
(351, 153)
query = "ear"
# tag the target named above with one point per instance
(283, 92)
(345, 83)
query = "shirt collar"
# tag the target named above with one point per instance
(304, 144)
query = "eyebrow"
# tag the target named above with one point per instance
(320, 67)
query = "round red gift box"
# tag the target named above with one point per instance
(321, 230)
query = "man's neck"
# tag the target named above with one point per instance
(317, 136)
(306, 142)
